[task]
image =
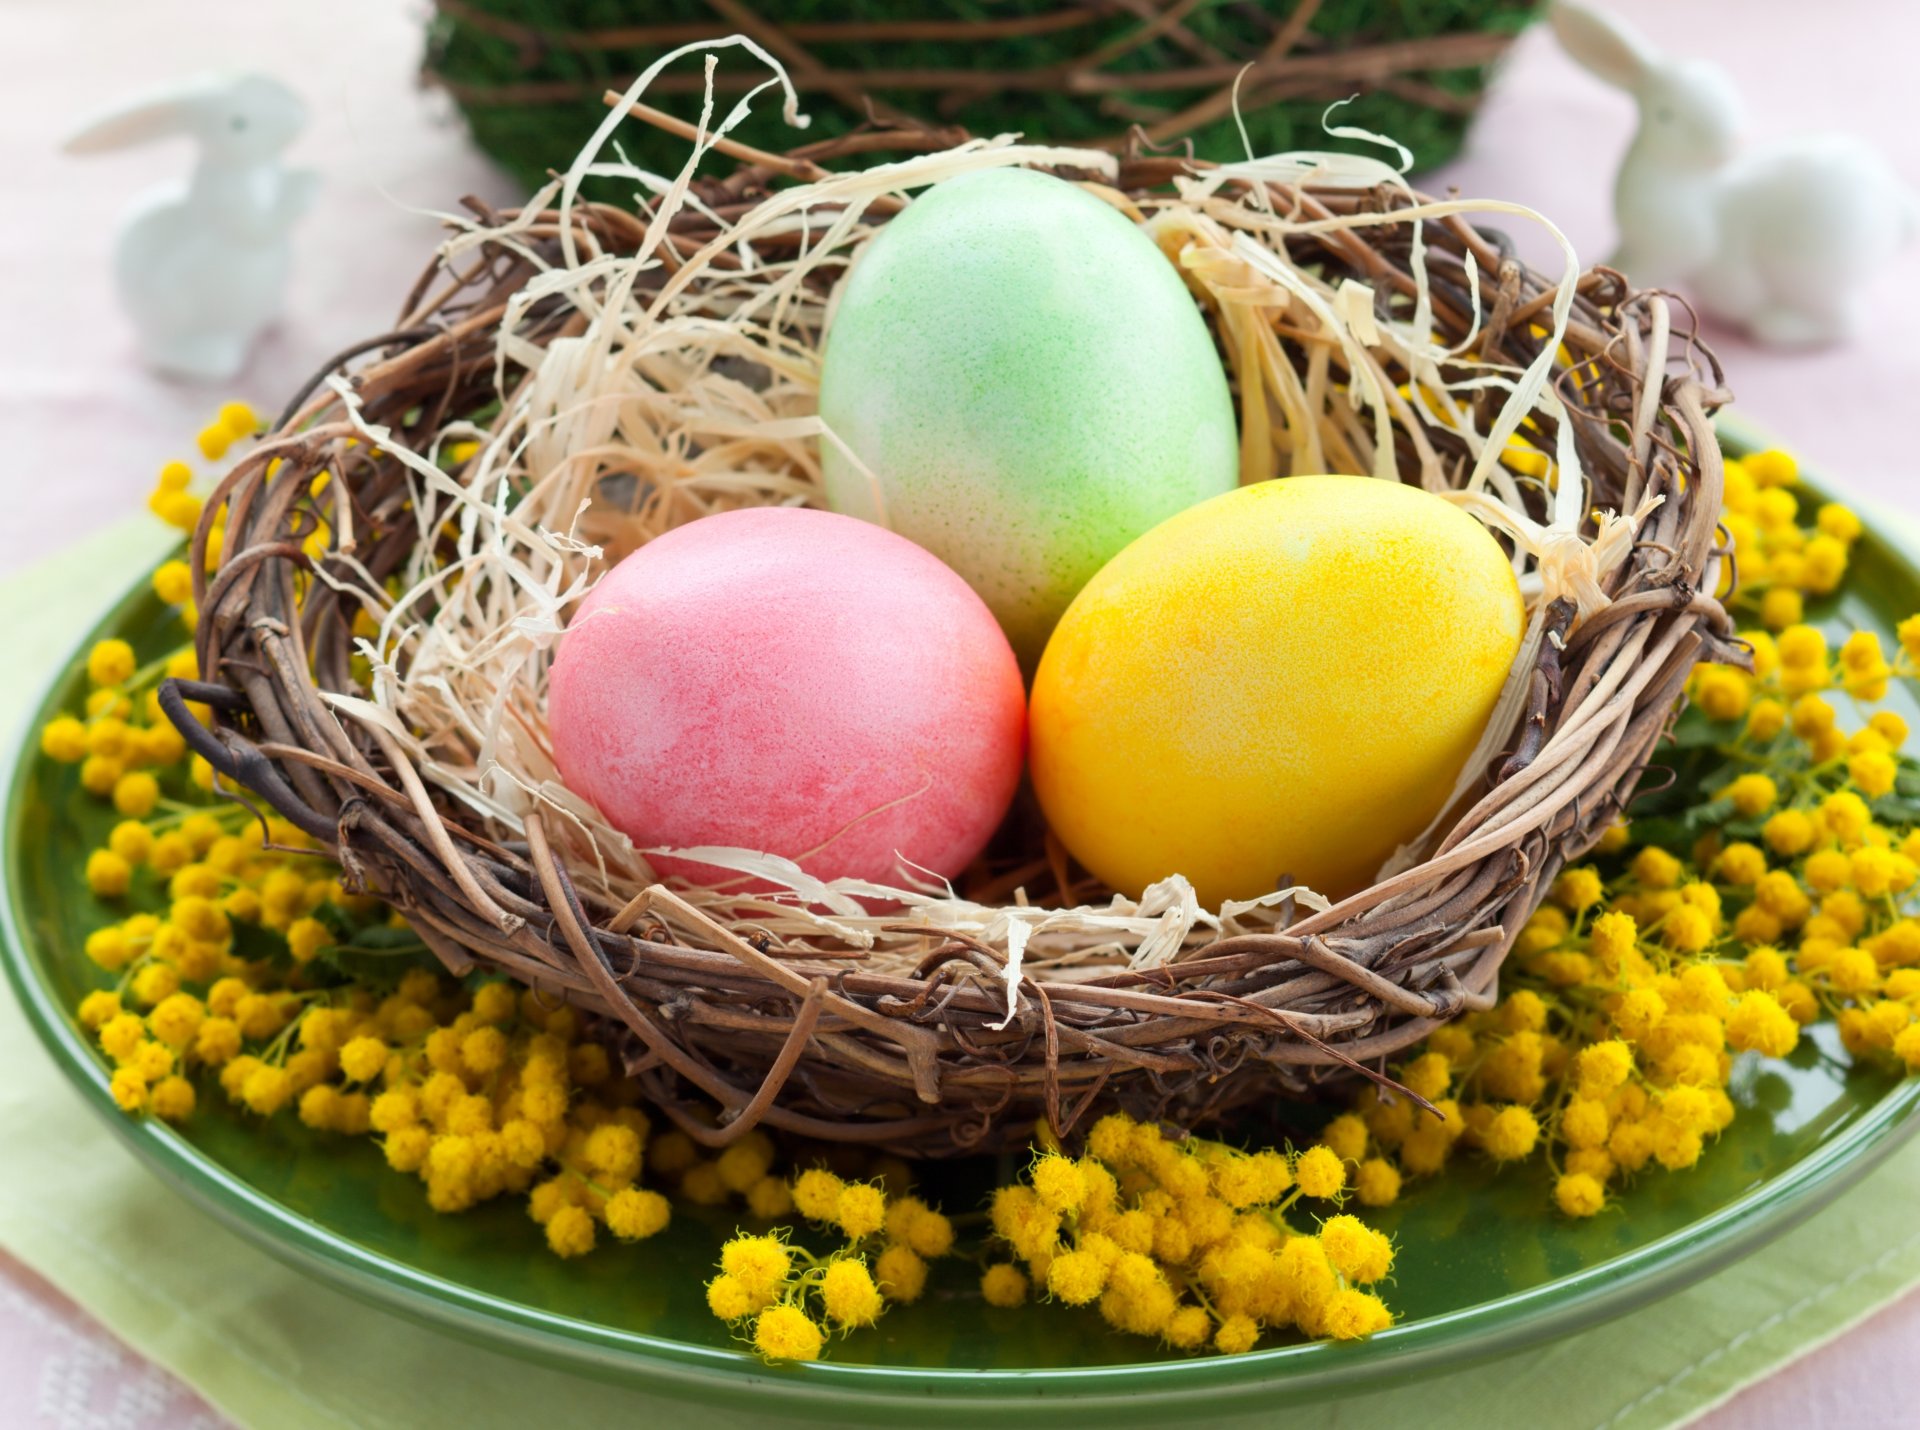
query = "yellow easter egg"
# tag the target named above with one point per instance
(1282, 682)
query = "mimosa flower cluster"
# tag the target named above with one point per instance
(1188, 1242)
(786, 1300)
(1777, 562)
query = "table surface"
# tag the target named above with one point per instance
(87, 428)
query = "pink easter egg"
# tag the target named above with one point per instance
(796, 683)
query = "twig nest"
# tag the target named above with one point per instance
(573, 382)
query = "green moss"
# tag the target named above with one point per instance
(531, 138)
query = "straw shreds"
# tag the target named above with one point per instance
(639, 391)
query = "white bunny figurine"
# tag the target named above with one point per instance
(201, 265)
(1779, 239)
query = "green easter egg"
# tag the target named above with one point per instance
(1030, 385)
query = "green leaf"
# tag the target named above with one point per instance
(1900, 807)
(379, 963)
(338, 922)
(1669, 832)
(1693, 731)
(384, 939)
(1714, 814)
(254, 942)
(1692, 770)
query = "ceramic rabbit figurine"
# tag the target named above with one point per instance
(1779, 239)
(201, 265)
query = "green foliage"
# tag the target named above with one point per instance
(1673, 812)
(531, 138)
(378, 957)
(369, 955)
(257, 942)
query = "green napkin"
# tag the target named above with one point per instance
(272, 1348)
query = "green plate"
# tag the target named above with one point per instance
(1484, 1266)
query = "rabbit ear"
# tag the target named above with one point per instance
(154, 116)
(1601, 44)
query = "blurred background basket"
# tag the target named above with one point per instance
(529, 74)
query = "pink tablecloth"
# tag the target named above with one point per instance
(86, 428)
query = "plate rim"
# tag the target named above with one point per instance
(1280, 1374)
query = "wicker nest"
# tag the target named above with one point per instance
(343, 619)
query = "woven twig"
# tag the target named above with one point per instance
(729, 1027)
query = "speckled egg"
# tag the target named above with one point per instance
(796, 683)
(1030, 385)
(1283, 682)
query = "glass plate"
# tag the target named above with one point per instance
(1484, 1266)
